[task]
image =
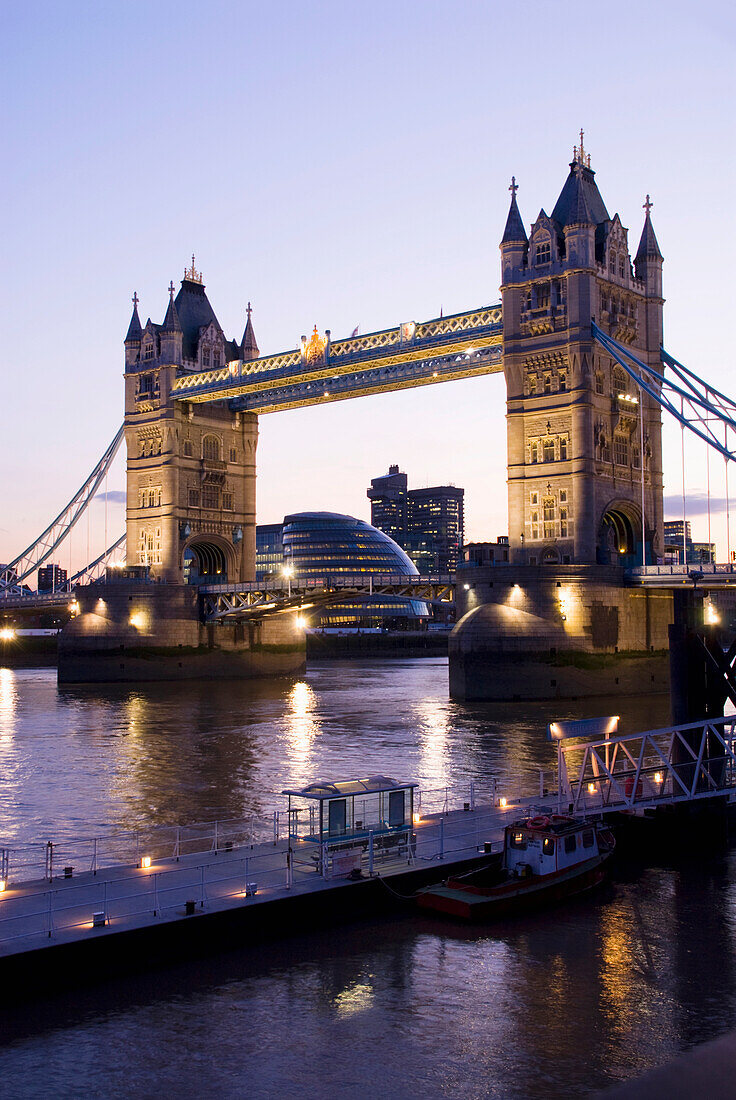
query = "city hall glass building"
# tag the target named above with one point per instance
(320, 545)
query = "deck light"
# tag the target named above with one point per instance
(657, 777)
(7, 634)
(145, 861)
(300, 622)
(503, 802)
(591, 788)
(416, 818)
(3, 885)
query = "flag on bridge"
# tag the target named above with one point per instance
(354, 332)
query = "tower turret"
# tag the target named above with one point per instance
(648, 260)
(249, 346)
(514, 242)
(171, 334)
(133, 336)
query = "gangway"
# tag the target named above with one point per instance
(640, 771)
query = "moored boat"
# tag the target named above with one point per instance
(545, 860)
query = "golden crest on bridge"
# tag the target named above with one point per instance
(314, 348)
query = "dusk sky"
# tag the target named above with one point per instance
(343, 164)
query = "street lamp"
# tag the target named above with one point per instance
(288, 570)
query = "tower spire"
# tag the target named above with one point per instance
(648, 245)
(171, 320)
(134, 328)
(514, 230)
(248, 345)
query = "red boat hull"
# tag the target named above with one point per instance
(477, 903)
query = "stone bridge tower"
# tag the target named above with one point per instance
(574, 417)
(191, 470)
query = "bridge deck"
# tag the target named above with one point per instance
(462, 345)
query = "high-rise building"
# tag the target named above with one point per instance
(51, 578)
(429, 524)
(679, 548)
(269, 551)
(388, 497)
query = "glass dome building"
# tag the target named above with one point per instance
(320, 545)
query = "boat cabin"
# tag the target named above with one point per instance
(543, 845)
(350, 809)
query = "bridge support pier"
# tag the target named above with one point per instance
(132, 632)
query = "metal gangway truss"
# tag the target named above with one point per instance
(641, 771)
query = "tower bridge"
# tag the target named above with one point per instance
(578, 337)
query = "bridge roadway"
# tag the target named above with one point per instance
(462, 345)
(707, 576)
(242, 601)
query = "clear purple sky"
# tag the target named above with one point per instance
(341, 164)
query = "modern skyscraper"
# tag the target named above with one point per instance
(51, 578)
(429, 524)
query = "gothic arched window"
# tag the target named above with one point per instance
(619, 381)
(543, 251)
(211, 448)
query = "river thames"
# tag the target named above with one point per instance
(555, 1005)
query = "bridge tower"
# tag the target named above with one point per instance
(191, 470)
(578, 429)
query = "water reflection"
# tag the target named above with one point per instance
(8, 701)
(301, 728)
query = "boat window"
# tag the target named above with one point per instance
(588, 838)
(518, 840)
(549, 846)
(570, 842)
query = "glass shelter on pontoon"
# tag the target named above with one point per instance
(350, 809)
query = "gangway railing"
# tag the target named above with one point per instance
(681, 763)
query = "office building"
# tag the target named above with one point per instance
(427, 523)
(51, 578)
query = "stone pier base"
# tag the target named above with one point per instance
(133, 632)
(556, 632)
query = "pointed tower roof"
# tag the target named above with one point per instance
(194, 310)
(249, 346)
(134, 328)
(580, 201)
(514, 230)
(648, 245)
(171, 320)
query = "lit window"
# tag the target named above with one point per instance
(233, 454)
(534, 498)
(548, 448)
(563, 448)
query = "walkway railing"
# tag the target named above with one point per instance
(169, 890)
(53, 859)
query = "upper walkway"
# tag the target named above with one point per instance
(462, 345)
